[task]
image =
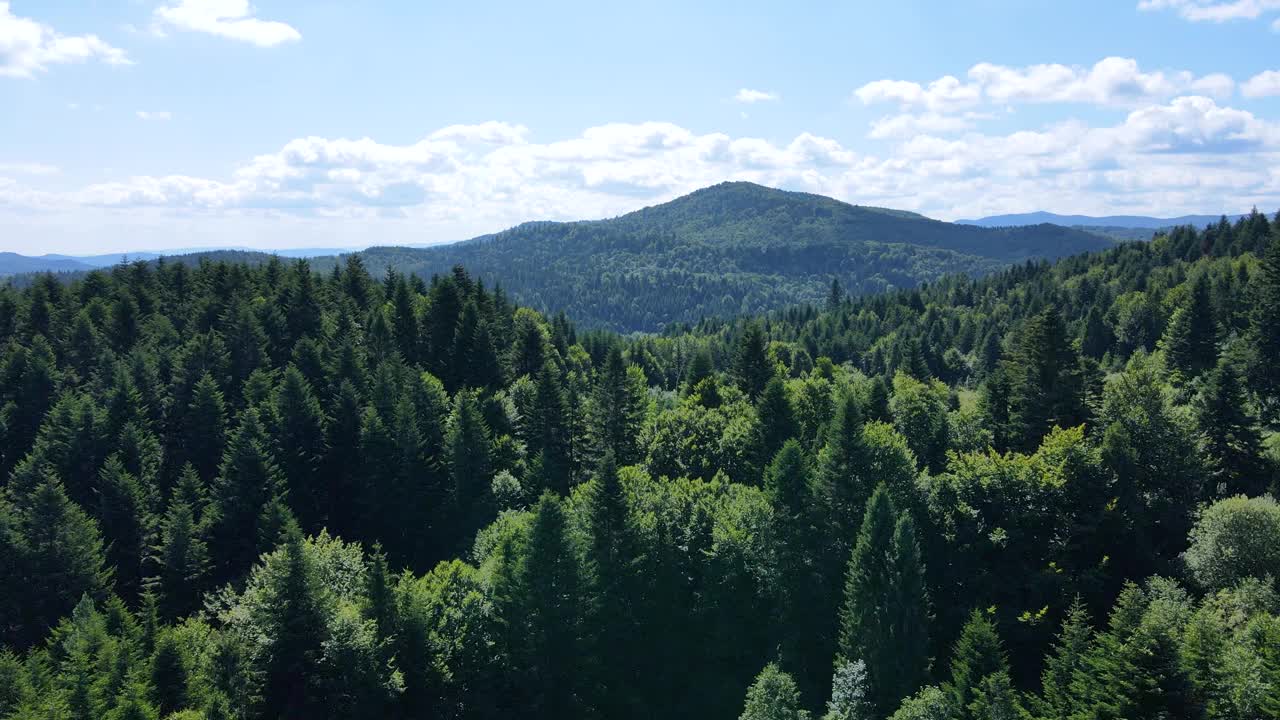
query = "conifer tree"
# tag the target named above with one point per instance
(125, 522)
(884, 619)
(751, 367)
(299, 430)
(548, 432)
(976, 656)
(1097, 337)
(617, 410)
(183, 555)
(247, 483)
(1232, 441)
(1264, 327)
(1190, 341)
(203, 429)
(1045, 388)
(1058, 699)
(295, 631)
(168, 675)
(470, 465)
(777, 417)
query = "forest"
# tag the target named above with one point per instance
(263, 491)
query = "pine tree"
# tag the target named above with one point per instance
(295, 631)
(1190, 341)
(548, 432)
(57, 556)
(203, 429)
(1045, 388)
(1264, 327)
(884, 619)
(1232, 441)
(168, 675)
(751, 367)
(338, 491)
(1058, 698)
(183, 555)
(777, 418)
(548, 616)
(617, 410)
(701, 367)
(1097, 337)
(468, 455)
(247, 483)
(299, 430)
(612, 562)
(976, 656)
(125, 522)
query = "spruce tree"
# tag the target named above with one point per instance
(247, 483)
(183, 555)
(777, 417)
(470, 465)
(203, 429)
(1232, 441)
(294, 632)
(1264, 327)
(1058, 698)
(1045, 388)
(751, 366)
(1097, 338)
(976, 656)
(617, 410)
(548, 432)
(299, 431)
(125, 522)
(884, 619)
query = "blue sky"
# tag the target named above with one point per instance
(142, 124)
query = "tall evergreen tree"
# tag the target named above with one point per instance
(247, 484)
(1045, 387)
(773, 696)
(468, 454)
(884, 619)
(1190, 341)
(1232, 441)
(777, 417)
(751, 366)
(295, 633)
(1264, 327)
(298, 425)
(203, 429)
(617, 410)
(125, 521)
(977, 655)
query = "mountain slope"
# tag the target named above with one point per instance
(1109, 221)
(729, 249)
(15, 264)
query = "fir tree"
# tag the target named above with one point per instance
(1232, 441)
(751, 366)
(247, 483)
(777, 417)
(976, 656)
(773, 696)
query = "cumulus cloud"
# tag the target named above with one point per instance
(232, 19)
(746, 95)
(1112, 81)
(1189, 154)
(154, 115)
(28, 47)
(1264, 84)
(1215, 10)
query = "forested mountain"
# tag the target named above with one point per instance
(731, 249)
(15, 264)
(239, 490)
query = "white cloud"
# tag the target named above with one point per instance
(1112, 81)
(1264, 84)
(1215, 10)
(232, 19)
(746, 95)
(1188, 154)
(28, 47)
(154, 115)
(907, 124)
(945, 94)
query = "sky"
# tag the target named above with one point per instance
(130, 125)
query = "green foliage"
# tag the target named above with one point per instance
(773, 696)
(1235, 539)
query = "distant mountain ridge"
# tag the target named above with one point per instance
(16, 264)
(1107, 221)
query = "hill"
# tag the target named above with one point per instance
(1086, 221)
(15, 264)
(730, 249)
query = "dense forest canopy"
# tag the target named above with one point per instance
(266, 491)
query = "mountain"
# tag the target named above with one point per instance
(15, 264)
(1082, 221)
(730, 249)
